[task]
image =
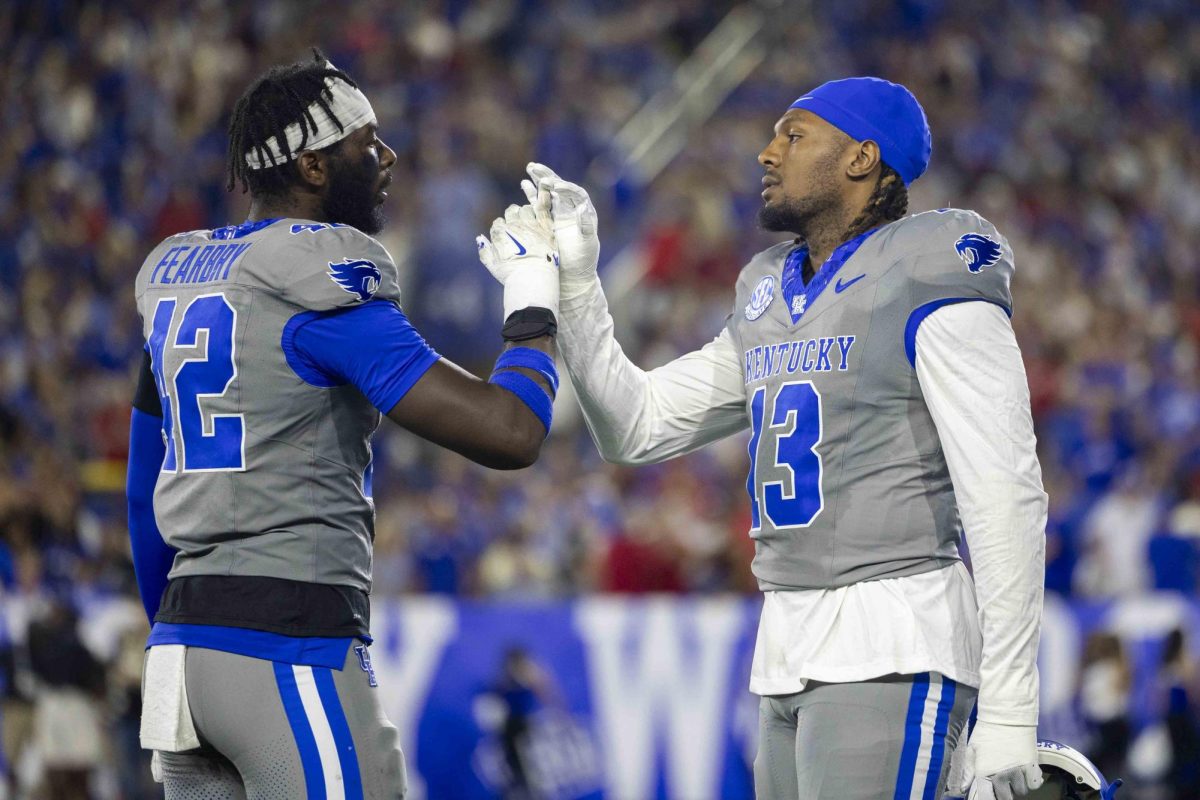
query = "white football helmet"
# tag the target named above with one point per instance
(1069, 775)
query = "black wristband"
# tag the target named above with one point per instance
(529, 323)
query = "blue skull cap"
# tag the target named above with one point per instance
(882, 111)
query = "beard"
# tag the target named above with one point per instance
(796, 214)
(351, 197)
(788, 215)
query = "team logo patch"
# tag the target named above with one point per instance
(364, 663)
(760, 298)
(358, 276)
(977, 251)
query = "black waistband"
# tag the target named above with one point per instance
(275, 605)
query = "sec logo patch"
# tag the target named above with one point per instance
(760, 298)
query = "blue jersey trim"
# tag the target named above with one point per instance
(245, 229)
(791, 280)
(306, 742)
(921, 312)
(310, 651)
(372, 346)
(309, 372)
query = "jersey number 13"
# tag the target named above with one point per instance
(795, 412)
(207, 369)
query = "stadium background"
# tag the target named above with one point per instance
(1071, 125)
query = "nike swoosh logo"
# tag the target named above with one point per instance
(520, 247)
(842, 286)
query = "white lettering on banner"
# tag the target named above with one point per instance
(660, 662)
(411, 636)
(1149, 616)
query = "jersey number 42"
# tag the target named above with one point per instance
(794, 417)
(204, 372)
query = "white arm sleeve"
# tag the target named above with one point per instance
(970, 370)
(639, 417)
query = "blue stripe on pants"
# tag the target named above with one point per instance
(938, 753)
(306, 743)
(347, 755)
(912, 736)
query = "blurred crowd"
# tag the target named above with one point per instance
(1070, 125)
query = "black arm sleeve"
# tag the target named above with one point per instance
(145, 397)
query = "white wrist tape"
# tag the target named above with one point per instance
(532, 286)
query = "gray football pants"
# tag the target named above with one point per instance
(272, 731)
(881, 739)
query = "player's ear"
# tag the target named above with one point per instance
(313, 167)
(865, 159)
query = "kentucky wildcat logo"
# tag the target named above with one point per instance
(977, 251)
(358, 276)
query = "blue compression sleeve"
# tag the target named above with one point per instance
(152, 557)
(372, 346)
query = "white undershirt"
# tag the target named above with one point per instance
(971, 374)
(920, 623)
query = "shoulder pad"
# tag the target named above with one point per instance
(321, 267)
(928, 229)
(953, 253)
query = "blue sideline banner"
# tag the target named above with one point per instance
(633, 699)
(628, 698)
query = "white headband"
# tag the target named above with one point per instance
(348, 104)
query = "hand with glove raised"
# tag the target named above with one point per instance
(566, 209)
(521, 254)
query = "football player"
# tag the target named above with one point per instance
(873, 361)
(272, 349)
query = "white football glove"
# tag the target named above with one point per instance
(574, 222)
(1000, 763)
(522, 256)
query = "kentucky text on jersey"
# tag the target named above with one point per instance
(197, 263)
(802, 355)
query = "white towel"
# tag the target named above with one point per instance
(166, 718)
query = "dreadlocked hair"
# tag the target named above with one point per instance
(279, 98)
(888, 202)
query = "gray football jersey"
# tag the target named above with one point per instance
(848, 481)
(264, 473)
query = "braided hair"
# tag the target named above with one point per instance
(279, 98)
(889, 202)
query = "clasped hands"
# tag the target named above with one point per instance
(546, 250)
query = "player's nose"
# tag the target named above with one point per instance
(768, 157)
(388, 157)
